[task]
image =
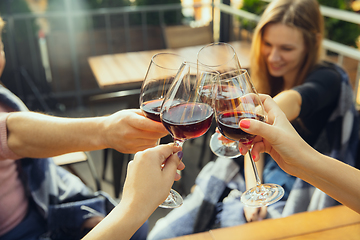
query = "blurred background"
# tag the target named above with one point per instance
(48, 42)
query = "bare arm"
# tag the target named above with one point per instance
(297, 158)
(289, 102)
(146, 186)
(33, 134)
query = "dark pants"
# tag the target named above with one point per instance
(34, 227)
(30, 228)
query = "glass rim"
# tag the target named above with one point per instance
(213, 44)
(166, 53)
(240, 71)
(207, 68)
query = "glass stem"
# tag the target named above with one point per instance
(258, 182)
(178, 142)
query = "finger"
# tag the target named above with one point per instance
(144, 123)
(255, 127)
(150, 132)
(164, 152)
(243, 149)
(257, 148)
(181, 166)
(171, 165)
(177, 177)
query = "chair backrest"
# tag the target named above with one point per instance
(185, 36)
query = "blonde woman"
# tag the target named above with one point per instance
(286, 63)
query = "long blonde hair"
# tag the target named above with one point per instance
(2, 25)
(303, 15)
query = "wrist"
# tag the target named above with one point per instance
(308, 162)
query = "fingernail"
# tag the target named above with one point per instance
(180, 154)
(245, 123)
(240, 149)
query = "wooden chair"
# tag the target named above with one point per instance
(184, 36)
(67, 160)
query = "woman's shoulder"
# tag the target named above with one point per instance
(325, 71)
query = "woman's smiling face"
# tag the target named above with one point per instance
(283, 49)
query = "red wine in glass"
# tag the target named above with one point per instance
(188, 120)
(152, 109)
(228, 124)
(229, 113)
(160, 75)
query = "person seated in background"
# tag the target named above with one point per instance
(38, 199)
(287, 64)
(295, 156)
(316, 97)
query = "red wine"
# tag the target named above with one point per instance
(228, 123)
(152, 108)
(188, 120)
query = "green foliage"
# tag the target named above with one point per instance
(337, 30)
(253, 6)
(340, 4)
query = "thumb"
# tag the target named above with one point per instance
(259, 128)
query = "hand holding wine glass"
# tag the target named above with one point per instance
(237, 99)
(160, 75)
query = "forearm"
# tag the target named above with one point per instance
(335, 178)
(290, 103)
(36, 135)
(122, 222)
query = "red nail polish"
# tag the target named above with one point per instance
(245, 123)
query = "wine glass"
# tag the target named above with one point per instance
(187, 108)
(234, 100)
(221, 57)
(161, 72)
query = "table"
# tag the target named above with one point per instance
(337, 222)
(124, 68)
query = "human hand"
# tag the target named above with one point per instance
(129, 131)
(147, 180)
(253, 214)
(277, 137)
(222, 138)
